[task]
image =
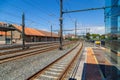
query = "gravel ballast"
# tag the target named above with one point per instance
(21, 69)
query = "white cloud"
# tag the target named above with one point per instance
(93, 30)
(97, 30)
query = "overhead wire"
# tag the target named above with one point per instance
(48, 22)
(48, 13)
(57, 2)
(22, 10)
(68, 16)
(16, 16)
(37, 8)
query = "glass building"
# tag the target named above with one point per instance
(112, 27)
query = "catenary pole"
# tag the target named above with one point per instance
(51, 33)
(75, 28)
(61, 24)
(23, 31)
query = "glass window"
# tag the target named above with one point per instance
(119, 24)
(118, 2)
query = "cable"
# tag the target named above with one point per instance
(30, 6)
(13, 5)
(28, 3)
(57, 2)
(16, 16)
(8, 13)
(11, 22)
(27, 20)
(39, 9)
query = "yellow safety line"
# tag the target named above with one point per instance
(97, 63)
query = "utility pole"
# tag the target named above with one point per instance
(11, 36)
(75, 28)
(87, 30)
(23, 31)
(61, 24)
(51, 32)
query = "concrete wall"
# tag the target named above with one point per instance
(5, 40)
(2, 39)
(17, 37)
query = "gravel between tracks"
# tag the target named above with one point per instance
(21, 69)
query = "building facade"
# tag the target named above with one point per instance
(31, 35)
(112, 23)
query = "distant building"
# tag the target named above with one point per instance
(2, 36)
(31, 35)
(5, 33)
(72, 36)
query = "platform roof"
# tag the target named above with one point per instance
(28, 31)
(7, 28)
(35, 32)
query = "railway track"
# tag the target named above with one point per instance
(19, 49)
(60, 68)
(28, 53)
(27, 45)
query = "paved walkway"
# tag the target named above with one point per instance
(81, 66)
(95, 66)
(92, 69)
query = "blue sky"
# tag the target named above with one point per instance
(41, 14)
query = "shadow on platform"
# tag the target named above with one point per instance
(94, 71)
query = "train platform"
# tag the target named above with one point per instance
(95, 65)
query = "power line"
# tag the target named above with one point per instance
(16, 16)
(15, 6)
(67, 3)
(22, 10)
(57, 2)
(8, 13)
(35, 8)
(39, 9)
(11, 22)
(40, 16)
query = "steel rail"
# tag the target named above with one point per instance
(26, 55)
(21, 50)
(29, 54)
(37, 74)
(27, 45)
(76, 65)
(71, 64)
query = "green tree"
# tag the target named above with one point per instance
(95, 36)
(102, 37)
(87, 36)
